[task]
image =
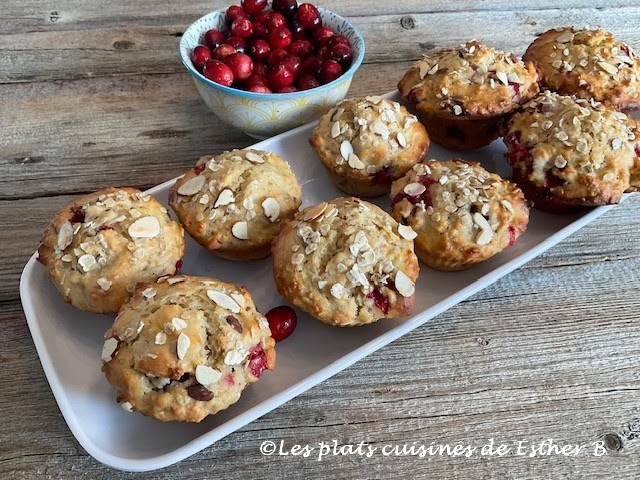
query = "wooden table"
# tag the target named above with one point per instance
(92, 93)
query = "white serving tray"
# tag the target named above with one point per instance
(69, 341)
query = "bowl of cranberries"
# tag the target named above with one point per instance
(267, 67)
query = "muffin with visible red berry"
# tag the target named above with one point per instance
(102, 244)
(568, 152)
(186, 347)
(460, 94)
(589, 64)
(346, 262)
(461, 214)
(367, 143)
(235, 203)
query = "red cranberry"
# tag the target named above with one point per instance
(200, 56)
(275, 57)
(321, 35)
(242, 27)
(223, 51)
(342, 54)
(336, 39)
(260, 31)
(218, 72)
(282, 322)
(383, 177)
(297, 30)
(280, 38)
(78, 215)
(307, 82)
(308, 16)
(256, 79)
(323, 53)
(329, 71)
(179, 264)
(262, 17)
(213, 38)
(275, 20)
(253, 6)
(260, 68)
(293, 63)
(240, 64)
(425, 196)
(234, 12)
(238, 43)
(286, 7)
(257, 361)
(281, 77)
(260, 89)
(259, 49)
(312, 65)
(512, 235)
(301, 48)
(198, 169)
(380, 300)
(290, 89)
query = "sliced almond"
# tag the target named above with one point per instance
(315, 212)
(178, 323)
(335, 130)
(484, 237)
(338, 113)
(407, 232)
(161, 338)
(226, 197)
(223, 300)
(507, 204)
(127, 406)
(380, 128)
(110, 345)
(206, 375)
(87, 261)
(355, 162)
(346, 149)
(271, 208)
(607, 67)
(401, 140)
(192, 186)
(254, 157)
(144, 227)
(565, 37)
(423, 69)
(502, 77)
(104, 284)
(414, 189)
(404, 285)
(239, 230)
(514, 78)
(65, 235)
(239, 299)
(183, 345)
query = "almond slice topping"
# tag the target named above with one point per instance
(271, 208)
(565, 37)
(144, 227)
(183, 345)
(110, 345)
(607, 67)
(223, 300)
(239, 299)
(87, 261)
(355, 162)
(206, 375)
(401, 140)
(254, 157)
(414, 189)
(192, 186)
(226, 197)
(315, 212)
(484, 237)
(346, 149)
(65, 235)
(335, 130)
(404, 285)
(407, 232)
(239, 230)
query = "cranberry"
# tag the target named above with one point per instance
(297, 30)
(240, 64)
(282, 322)
(380, 300)
(307, 82)
(260, 31)
(256, 79)
(286, 7)
(425, 196)
(213, 38)
(259, 49)
(280, 38)
(329, 71)
(253, 6)
(512, 235)
(275, 20)
(336, 39)
(293, 63)
(105, 227)
(200, 56)
(275, 57)
(242, 27)
(198, 169)
(289, 89)
(238, 43)
(260, 68)
(222, 51)
(383, 177)
(301, 48)
(229, 380)
(312, 65)
(260, 89)
(234, 12)
(308, 16)
(218, 72)
(342, 54)
(321, 34)
(78, 215)
(323, 53)
(516, 87)
(179, 263)
(257, 361)
(280, 77)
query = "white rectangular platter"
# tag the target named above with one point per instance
(69, 341)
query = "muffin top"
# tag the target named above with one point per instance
(347, 262)
(462, 213)
(574, 148)
(186, 347)
(234, 203)
(468, 82)
(588, 64)
(100, 245)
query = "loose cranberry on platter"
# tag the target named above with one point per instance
(234, 12)
(286, 7)
(275, 57)
(329, 71)
(307, 81)
(336, 39)
(259, 49)
(240, 64)
(242, 27)
(312, 65)
(281, 77)
(301, 48)
(238, 43)
(321, 35)
(260, 68)
(282, 322)
(200, 56)
(223, 51)
(218, 72)
(260, 89)
(280, 38)
(275, 20)
(308, 16)
(253, 6)
(260, 30)
(213, 38)
(342, 54)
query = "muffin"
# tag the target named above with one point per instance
(367, 143)
(589, 64)
(235, 203)
(186, 348)
(460, 94)
(569, 152)
(346, 262)
(461, 214)
(100, 245)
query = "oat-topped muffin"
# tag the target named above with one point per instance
(367, 143)
(461, 213)
(346, 262)
(186, 347)
(588, 64)
(233, 204)
(100, 245)
(460, 94)
(569, 152)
